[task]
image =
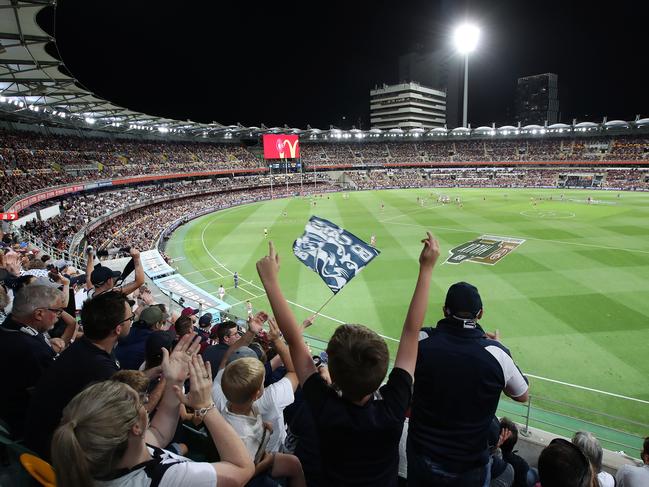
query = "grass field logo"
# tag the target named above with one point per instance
(487, 249)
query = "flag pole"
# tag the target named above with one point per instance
(325, 304)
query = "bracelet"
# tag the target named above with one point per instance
(200, 413)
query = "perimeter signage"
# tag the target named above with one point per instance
(487, 249)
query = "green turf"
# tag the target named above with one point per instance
(571, 302)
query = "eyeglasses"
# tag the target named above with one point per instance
(56, 311)
(130, 318)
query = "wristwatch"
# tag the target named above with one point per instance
(200, 413)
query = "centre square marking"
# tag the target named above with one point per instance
(487, 249)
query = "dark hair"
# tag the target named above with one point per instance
(645, 447)
(358, 360)
(562, 464)
(101, 314)
(223, 329)
(508, 444)
(183, 325)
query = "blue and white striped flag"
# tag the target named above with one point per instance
(332, 252)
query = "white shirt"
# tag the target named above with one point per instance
(249, 428)
(605, 479)
(165, 470)
(630, 476)
(270, 405)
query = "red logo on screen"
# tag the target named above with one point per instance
(9, 216)
(281, 147)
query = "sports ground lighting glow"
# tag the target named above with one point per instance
(466, 38)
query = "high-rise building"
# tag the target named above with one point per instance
(537, 99)
(441, 69)
(407, 106)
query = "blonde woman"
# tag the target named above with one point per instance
(105, 438)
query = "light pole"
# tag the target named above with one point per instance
(465, 39)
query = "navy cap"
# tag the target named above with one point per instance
(205, 320)
(101, 274)
(462, 297)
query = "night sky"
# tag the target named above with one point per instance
(299, 63)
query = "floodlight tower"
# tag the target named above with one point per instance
(466, 38)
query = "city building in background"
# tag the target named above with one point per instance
(442, 69)
(537, 99)
(407, 106)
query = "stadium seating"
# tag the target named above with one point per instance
(135, 214)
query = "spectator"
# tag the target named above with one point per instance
(524, 476)
(593, 450)
(502, 473)
(461, 371)
(183, 326)
(138, 380)
(630, 476)
(359, 435)
(203, 330)
(276, 396)
(25, 349)
(105, 435)
(191, 313)
(153, 348)
(130, 350)
(227, 333)
(102, 279)
(243, 384)
(105, 318)
(562, 464)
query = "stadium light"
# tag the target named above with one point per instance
(465, 38)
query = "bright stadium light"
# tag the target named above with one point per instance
(465, 38)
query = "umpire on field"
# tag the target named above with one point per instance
(460, 373)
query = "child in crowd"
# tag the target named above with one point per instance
(243, 384)
(358, 433)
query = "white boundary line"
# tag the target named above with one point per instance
(576, 386)
(588, 389)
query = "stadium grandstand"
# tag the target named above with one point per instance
(94, 194)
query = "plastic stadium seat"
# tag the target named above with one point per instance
(39, 469)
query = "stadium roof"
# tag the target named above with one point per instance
(35, 85)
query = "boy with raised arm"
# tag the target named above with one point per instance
(358, 433)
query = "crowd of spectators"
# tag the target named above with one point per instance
(129, 397)
(515, 150)
(142, 227)
(76, 211)
(31, 161)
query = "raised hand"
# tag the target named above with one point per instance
(268, 267)
(430, 252)
(274, 333)
(200, 384)
(493, 335)
(175, 367)
(256, 322)
(135, 253)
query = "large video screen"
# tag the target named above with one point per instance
(280, 146)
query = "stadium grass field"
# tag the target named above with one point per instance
(571, 302)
